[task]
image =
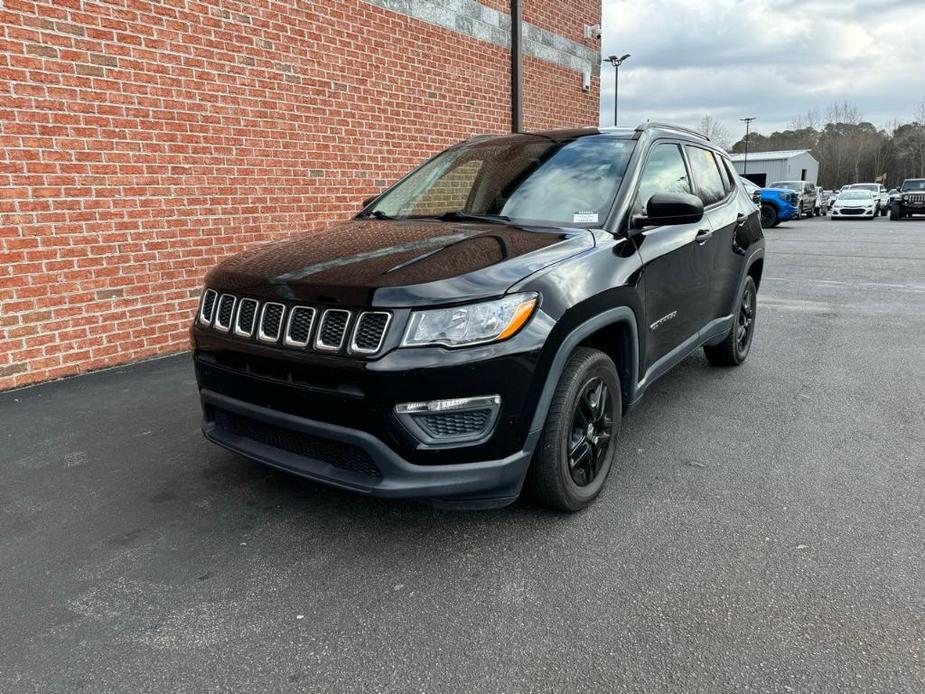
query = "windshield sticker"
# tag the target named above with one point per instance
(584, 218)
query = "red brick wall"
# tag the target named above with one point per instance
(144, 140)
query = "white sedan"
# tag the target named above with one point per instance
(856, 202)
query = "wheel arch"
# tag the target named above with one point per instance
(615, 333)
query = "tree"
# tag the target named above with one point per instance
(716, 131)
(850, 149)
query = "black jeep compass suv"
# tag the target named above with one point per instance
(484, 324)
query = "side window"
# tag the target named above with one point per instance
(729, 177)
(707, 180)
(664, 172)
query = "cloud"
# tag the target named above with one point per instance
(769, 59)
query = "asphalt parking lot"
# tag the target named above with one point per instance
(764, 529)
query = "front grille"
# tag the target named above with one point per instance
(247, 315)
(370, 331)
(916, 197)
(851, 211)
(333, 328)
(225, 312)
(328, 330)
(450, 424)
(208, 305)
(299, 326)
(343, 456)
(271, 322)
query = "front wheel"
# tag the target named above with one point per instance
(734, 348)
(769, 217)
(895, 214)
(578, 444)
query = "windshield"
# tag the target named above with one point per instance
(535, 178)
(855, 194)
(790, 185)
(873, 187)
(917, 184)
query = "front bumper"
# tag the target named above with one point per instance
(788, 211)
(332, 418)
(357, 461)
(853, 212)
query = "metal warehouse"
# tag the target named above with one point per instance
(763, 168)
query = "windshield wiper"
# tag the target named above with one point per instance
(460, 216)
(378, 214)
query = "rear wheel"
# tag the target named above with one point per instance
(734, 348)
(769, 217)
(883, 211)
(577, 447)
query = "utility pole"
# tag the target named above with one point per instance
(616, 62)
(748, 122)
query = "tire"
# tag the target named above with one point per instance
(554, 479)
(883, 211)
(895, 214)
(769, 217)
(734, 348)
(815, 212)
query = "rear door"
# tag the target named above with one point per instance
(672, 303)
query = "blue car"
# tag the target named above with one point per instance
(777, 204)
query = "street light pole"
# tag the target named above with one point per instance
(616, 62)
(748, 122)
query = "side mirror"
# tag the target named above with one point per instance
(368, 200)
(671, 208)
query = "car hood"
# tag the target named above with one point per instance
(398, 263)
(779, 190)
(855, 202)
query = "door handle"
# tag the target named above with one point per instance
(704, 235)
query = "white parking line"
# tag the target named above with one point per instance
(913, 288)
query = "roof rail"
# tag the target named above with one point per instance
(642, 127)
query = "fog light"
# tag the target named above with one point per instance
(451, 421)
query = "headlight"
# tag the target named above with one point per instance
(473, 324)
(905, 198)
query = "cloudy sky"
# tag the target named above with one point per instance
(771, 59)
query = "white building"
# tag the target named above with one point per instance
(765, 168)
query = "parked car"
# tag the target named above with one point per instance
(879, 191)
(777, 204)
(911, 199)
(856, 202)
(484, 323)
(806, 191)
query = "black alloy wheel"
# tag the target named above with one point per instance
(734, 347)
(578, 446)
(589, 439)
(745, 322)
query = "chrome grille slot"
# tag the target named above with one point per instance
(224, 313)
(247, 317)
(369, 332)
(299, 327)
(332, 330)
(207, 306)
(271, 322)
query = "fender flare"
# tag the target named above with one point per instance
(623, 315)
